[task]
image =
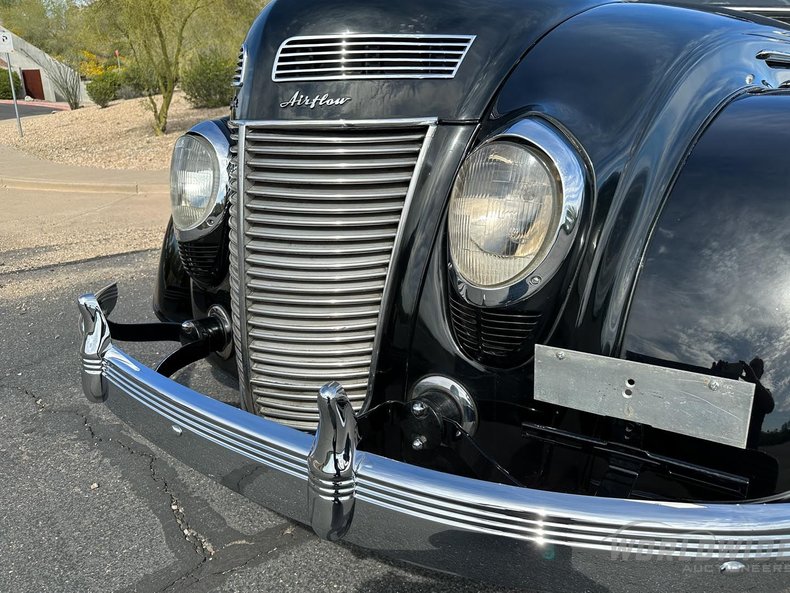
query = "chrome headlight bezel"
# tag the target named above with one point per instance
(545, 141)
(211, 133)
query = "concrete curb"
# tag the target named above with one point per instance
(44, 104)
(98, 188)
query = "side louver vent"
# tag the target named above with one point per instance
(781, 14)
(492, 336)
(368, 57)
(774, 59)
(238, 77)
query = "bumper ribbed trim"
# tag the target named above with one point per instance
(726, 532)
(488, 531)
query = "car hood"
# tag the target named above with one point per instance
(504, 31)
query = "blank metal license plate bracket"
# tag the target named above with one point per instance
(693, 404)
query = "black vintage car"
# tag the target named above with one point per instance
(505, 283)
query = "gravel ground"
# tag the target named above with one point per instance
(118, 137)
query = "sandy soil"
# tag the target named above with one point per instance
(118, 137)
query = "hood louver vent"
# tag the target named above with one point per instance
(781, 14)
(238, 77)
(369, 57)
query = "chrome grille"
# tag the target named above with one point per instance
(321, 209)
(358, 57)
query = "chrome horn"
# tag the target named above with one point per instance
(331, 464)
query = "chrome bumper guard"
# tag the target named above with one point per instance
(493, 532)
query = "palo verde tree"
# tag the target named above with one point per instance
(154, 32)
(47, 24)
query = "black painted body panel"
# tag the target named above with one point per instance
(715, 283)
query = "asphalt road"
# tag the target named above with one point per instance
(7, 110)
(86, 505)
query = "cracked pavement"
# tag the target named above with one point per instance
(86, 505)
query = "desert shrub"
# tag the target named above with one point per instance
(206, 81)
(136, 82)
(5, 86)
(66, 80)
(91, 66)
(104, 88)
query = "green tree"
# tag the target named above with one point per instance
(154, 31)
(44, 23)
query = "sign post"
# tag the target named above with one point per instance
(7, 47)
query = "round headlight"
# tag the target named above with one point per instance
(504, 211)
(194, 182)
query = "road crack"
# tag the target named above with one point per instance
(201, 545)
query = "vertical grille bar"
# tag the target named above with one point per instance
(315, 227)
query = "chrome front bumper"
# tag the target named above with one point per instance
(503, 534)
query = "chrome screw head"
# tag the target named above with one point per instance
(560, 356)
(419, 409)
(714, 385)
(418, 444)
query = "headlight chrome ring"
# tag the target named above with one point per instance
(541, 221)
(198, 190)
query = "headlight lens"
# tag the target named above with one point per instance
(504, 210)
(194, 182)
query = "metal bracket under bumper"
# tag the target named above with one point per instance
(493, 532)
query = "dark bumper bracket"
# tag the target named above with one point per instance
(198, 337)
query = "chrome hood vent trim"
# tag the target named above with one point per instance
(314, 226)
(778, 13)
(370, 57)
(238, 75)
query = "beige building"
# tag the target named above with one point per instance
(33, 67)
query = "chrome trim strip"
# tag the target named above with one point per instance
(321, 123)
(423, 501)
(568, 164)
(759, 10)
(342, 40)
(775, 57)
(386, 295)
(243, 359)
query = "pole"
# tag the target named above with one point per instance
(13, 94)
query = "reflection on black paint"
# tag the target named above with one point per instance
(716, 278)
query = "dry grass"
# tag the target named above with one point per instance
(118, 137)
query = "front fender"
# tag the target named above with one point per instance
(635, 85)
(715, 279)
